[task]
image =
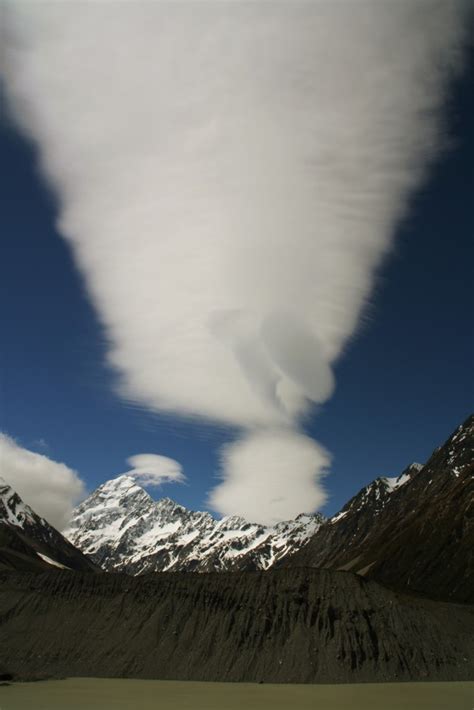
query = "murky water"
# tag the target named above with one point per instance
(112, 694)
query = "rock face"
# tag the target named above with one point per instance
(414, 533)
(288, 625)
(123, 529)
(28, 541)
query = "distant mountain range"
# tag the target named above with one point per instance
(415, 531)
(121, 528)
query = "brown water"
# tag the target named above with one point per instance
(113, 694)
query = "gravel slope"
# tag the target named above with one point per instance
(289, 625)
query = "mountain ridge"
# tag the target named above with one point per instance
(279, 626)
(124, 530)
(28, 541)
(418, 536)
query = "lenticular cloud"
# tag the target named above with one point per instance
(153, 469)
(230, 175)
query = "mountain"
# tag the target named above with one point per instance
(29, 542)
(414, 533)
(279, 626)
(121, 528)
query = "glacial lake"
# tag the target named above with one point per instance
(119, 694)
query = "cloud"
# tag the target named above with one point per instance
(259, 469)
(49, 487)
(153, 469)
(230, 176)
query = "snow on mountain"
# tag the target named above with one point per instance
(123, 529)
(405, 477)
(51, 562)
(375, 495)
(12, 508)
(26, 536)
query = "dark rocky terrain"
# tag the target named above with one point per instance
(415, 533)
(289, 625)
(29, 542)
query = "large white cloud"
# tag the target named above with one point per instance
(49, 487)
(260, 469)
(230, 175)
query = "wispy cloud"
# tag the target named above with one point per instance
(230, 176)
(49, 487)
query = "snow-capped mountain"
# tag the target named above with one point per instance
(29, 541)
(123, 529)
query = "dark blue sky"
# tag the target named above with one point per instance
(404, 383)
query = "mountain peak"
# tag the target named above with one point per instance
(12, 509)
(124, 484)
(406, 475)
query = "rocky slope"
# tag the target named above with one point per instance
(288, 625)
(415, 532)
(123, 529)
(28, 541)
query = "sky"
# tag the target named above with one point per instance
(259, 298)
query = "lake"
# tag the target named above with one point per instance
(118, 694)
